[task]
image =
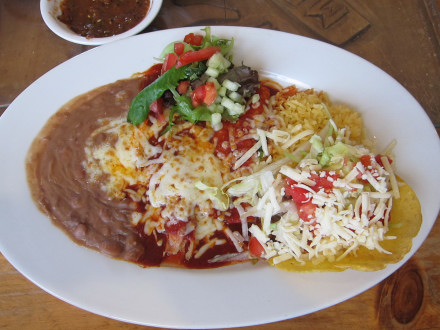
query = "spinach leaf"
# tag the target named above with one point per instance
(185, 109)
(194, 71)
(140, 106)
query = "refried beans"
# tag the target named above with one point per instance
(59, 182)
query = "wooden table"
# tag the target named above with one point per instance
(400, 36)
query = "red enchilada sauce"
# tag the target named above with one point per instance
(235, 130)
(102, 18)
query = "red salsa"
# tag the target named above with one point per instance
(102, 18)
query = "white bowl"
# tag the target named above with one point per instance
(50, 9)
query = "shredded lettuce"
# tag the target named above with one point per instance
(225, 45)
(334, 154)
(215, 194)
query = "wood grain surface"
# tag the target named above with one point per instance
(400, 36)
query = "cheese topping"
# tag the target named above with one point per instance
(163, 175)
(345, 203)
(187, 159)
(322, 202)
(176, 178)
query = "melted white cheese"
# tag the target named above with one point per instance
(176, 177)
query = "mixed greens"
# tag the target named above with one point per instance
(199, 82)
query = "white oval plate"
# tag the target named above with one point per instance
(50, 9)
(231, 296)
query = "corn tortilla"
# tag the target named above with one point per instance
(311, 109)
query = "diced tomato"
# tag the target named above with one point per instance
(194, 100)
(196, 55)
(306, 211)
(198, 95)
(179, 48)
(188, 38)
(200, 92)
(379, 160)
(170, 61)
(299, 195)
(193, 39)
(157, 109)
(366, 160)
(182, 88)
(206, 94)
(197, 40)
(255, 248)
(323, 181)
(210, 93)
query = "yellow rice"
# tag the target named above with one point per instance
(308, 109)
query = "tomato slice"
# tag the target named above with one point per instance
(170, 61)
(196, 55)
(255, 248)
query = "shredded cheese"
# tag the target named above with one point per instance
(347, 214)
(248, 154)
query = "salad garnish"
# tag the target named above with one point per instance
(201, 81)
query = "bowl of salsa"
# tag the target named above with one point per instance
(96, 22)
